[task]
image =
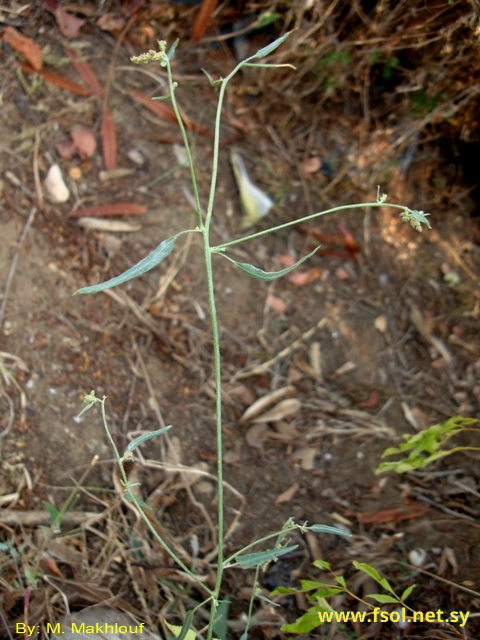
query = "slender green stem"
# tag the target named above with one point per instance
(193, 177)
(155, 533)
(220, 247)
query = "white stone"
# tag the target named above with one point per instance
(57, 190)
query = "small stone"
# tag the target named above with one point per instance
(57, 190)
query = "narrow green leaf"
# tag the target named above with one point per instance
(383, 599)
(128, 496)
(325, 593)
(146, 436)
(283, 591)
(191, 635)
(323, 528)
(244, 636)
(266, 18)
(52, 511)
(259, 274)
(167, 96)
(221, 618)
(322, 564)
(309, 585)
(366, 568)
(154, 258)
(260, 597)
(407, 592)
(266, 51)
(188, 620)
(341, 581)
(250, 560)
(173, 48)
(304, 624)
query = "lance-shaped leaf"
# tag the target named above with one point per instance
(323, 528)
(163, 250)
(250, 560)
(146, 436)
(259, 274)
(266, 51)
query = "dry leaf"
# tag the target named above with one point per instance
(114, 174)
(373, 400)
(287, 495)
(166, 111)
(311, 165)
(57, 80)
(84, 140)
(26, 47)
(342, 273)
(306, 455)
(110, 22)
(406, 512)
(276, 303)
(86, 73)
(256, 435)
(117, 209)
(109, 140)
(203, 18)
(66, 149)
(114, 226)
(345, 368)
(284, 431)
(266, 401)
(280, 411)
(301, 278)
(69, 24)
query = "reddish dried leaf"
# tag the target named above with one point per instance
(286, 260)
(373, 400)
(287, 495)
(117, 209)
(110, 22)
(408, 512)
(86, 73)
(311, 165)
(26, 47)
(109, 141)
(349, 241)
(301, 278)
(69, 24)
(84, 141)
(66, 149)
(276, 303)
(166, 111)
(59, 81)
(203, 18)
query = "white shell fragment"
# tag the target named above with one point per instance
(57, 190)
(417, 557)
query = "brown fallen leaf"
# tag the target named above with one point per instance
(69, 24)
(407, 512)
(276, 303)
(110, 22)
(57, 80)
(283, 409)
(30, 50)
(166, 111)
(287, 495)
(203, 18)
(311, 165)
(306, 455)
(117, 209)
(256, 435)
(66, 149)
(84, 141)
(262, 403)
(302, 278)
(86, 73)
(109, 140)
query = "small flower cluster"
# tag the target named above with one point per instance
(415, 218)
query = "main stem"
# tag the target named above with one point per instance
(218, 423)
